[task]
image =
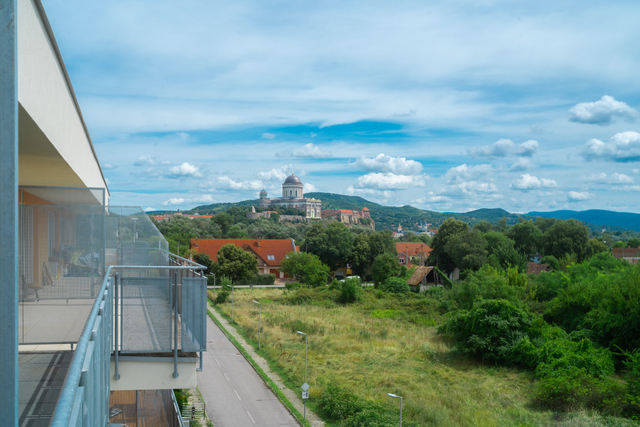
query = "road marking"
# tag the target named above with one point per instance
(251, 417)
(217, 361)
(237, 394)
(225, 375)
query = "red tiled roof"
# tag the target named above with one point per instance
(413, 248)
(276, 247)
(365, 209)
(536, 268)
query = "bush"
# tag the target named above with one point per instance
(492, 329)
(350, 291)
(384, 266)
(222, 296)
(264, 279)
(395, 285)
(341, 405)
(292, 286)
(225, 283)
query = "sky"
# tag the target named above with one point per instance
(442, 105)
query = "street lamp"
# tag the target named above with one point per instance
(397, 397)
(304, 401)
(256, 302)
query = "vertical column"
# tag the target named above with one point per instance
(8, 214)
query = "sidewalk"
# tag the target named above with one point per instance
(294, 397)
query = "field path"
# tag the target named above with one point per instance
(220, 391)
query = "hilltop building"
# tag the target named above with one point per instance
(293, 197)
(346, 216)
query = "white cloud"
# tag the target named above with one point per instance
(636, 171)
(150, 208)
(227, 182)
(505, 148)
(630, 188)
(268, 135)
(383, 195)
(178, 201)
(463, 172)
(521, 164)
(528, 182)
(275, 174)
(575, 196)
(146, 160)
(108, 166)
(622, 147)
(309, 188)
(602, 112)
(313, 134)
(183, 171)
(307, 151)
(384, 163)
(469, 188)
(615, 178)
(174, 201)
(389, 181)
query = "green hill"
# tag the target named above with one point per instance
(388, 217)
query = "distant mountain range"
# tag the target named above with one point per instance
(597, 217)
(389, 217)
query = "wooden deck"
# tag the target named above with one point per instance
(137, 408)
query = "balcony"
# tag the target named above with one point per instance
(103, 306)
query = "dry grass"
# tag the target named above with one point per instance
(371, 356)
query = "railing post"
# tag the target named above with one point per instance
(175, 328)
(116, 376)
(9, 260)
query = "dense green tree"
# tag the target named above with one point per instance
(634, 242)
(526, 236)
(395, 285)
(502, 225)
(384, 266)
(237, 232)
(502, 253)
(235, 263)
(544, 223)
(305, 267)
(360, 254)
(467, 249)
(224, 221)
(483, 226)
(331, 244)
(439, 256)
(203, 259)
(595, 246)
(565, 238)
(267, 229)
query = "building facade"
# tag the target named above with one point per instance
(347, 216)
(293, 197)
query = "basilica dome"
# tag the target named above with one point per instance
(292, 179)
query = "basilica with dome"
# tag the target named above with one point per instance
(293, 197)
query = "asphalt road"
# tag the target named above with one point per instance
(234, 394)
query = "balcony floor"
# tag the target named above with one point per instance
(41, 377)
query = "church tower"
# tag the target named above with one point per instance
(292, 188)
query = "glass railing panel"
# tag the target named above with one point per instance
(194, 314)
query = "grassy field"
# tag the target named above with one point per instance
(387, 344)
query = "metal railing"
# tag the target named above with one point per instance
(84, 398)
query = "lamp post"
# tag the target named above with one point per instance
(304, 401)
(256, 302)
(214, 287)
(397, 397)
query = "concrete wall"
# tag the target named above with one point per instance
(55, 148)
(152, 373)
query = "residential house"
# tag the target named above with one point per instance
(65, 348)
(422, 279)
(631, 255)
(269, 252)
(410, 250)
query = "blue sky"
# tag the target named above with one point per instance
(443, 105)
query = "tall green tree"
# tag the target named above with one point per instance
(224, 221)
(467, 249)
(384, 266)
(366, 247)
(526, 236)
(235, 263)
(502, 253)
(331, 244)
(439, 256)
(566, 238)
(307, 268)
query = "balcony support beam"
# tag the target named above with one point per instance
(9, 260)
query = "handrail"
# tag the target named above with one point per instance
(61, 418)
(183, 259)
